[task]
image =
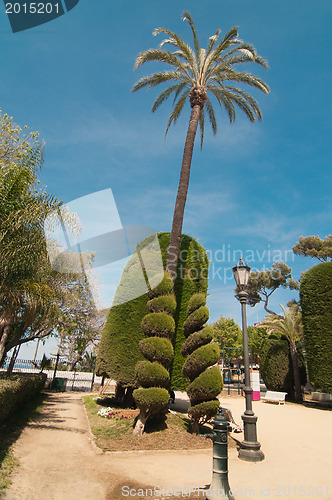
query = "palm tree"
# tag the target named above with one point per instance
(193, 74)
(290, 326)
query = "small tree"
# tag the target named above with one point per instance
(227, 333)
(256, 336)
(314, 246)
(263, 284)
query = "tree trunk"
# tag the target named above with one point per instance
(140, 423)
(174, 243)
(12, 361)
(195, 427)
(296, 372)
(3, 340)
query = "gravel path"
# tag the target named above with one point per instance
(59, 462)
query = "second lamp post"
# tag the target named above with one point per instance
(250, 447)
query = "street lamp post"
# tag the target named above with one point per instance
(250, 447)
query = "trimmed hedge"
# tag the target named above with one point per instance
(118, 351)
(196, 320)
(276, 366)
(164, 303)
(18, 389)
(206, 410)
(196, 340)
(158, 324)
(206, 383)
(152, 374)
(191, 280)
(200, 360)
(151, 399)
(157, 349)
(316, 305)
(206, 386)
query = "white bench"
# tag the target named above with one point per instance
(274, 397)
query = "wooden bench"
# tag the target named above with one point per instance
(274, 397)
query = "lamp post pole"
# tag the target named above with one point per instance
(250, 447)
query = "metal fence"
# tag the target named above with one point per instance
(66, 380)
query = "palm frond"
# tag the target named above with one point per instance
(156, 79)
(225, 102)
(177, 109)
(187, 17)
(185, 51)
(212, 117)
(176, 88)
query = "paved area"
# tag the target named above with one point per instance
(58, 461)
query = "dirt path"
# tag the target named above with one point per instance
(58, 462)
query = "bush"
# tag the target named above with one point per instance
(165, 287)
(196, 340)
(165, 303)
(158, 324)
(206, 386)
(18, 389)
(196, 301)
(187, 285)
(196, 320)
(204, 411)
(157, 349)
(151, 399)
(276, 366)
(151, 374)
(316, 304)
(200, 360)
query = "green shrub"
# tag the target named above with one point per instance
(196, 320)
(158, 325)
(18, 389)
(204, 411)
(151, 374)
(192, 256)
(151, 399)
(157, 349)
(196, 340)
(196, 301)
(200, 360)
(206, 386)
(316, 305)
(276, 366)
(165, 287)
(165, 303)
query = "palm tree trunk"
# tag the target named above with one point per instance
(174, 243)
(4, 337)
(296, 372)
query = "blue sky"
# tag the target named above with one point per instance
(254, 188)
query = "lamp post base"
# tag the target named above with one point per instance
(250, 447)
(251, 452)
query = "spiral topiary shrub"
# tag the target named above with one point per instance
(205, 379)
(152, 374)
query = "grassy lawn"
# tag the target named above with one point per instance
(10, 431)
(116, 433)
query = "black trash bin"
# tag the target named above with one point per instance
(59, 384)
